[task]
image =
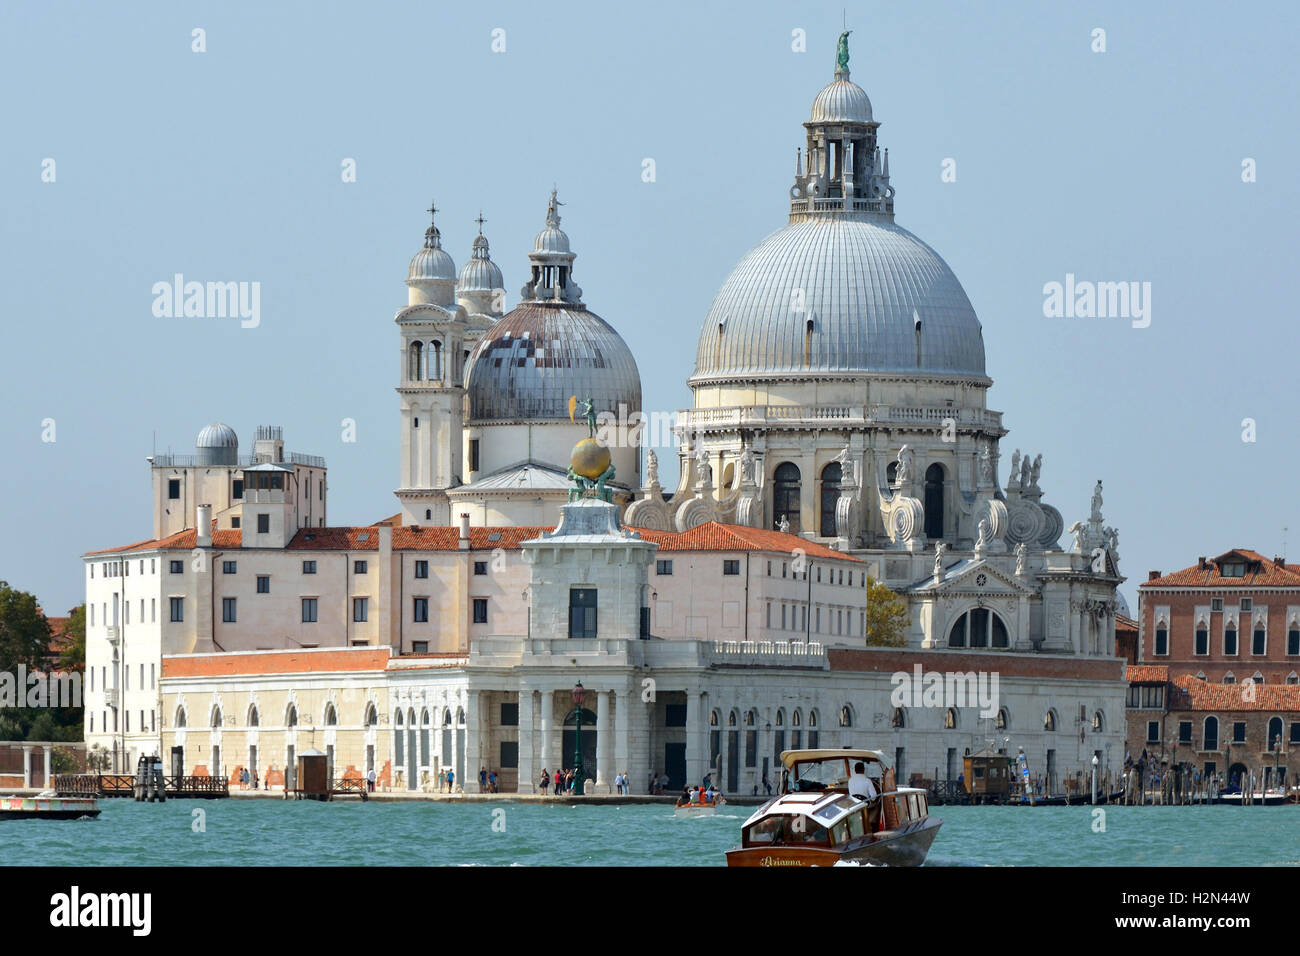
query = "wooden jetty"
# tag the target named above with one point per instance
(124, 785)
(312, 781)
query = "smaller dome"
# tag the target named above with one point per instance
(480, 274)
(841, 101)
(432, 262)
(217, 435)
(551, 240)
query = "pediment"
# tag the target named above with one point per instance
(973, 576)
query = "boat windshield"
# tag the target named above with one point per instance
(820, 774)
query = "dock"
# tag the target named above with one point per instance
(123, 785)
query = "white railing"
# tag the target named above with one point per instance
(759, 415)
(780, 650)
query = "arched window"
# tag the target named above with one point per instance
(1210, 734)
(331, 716)
(899, 720)
(1049, 720)
(415, 361)
(372, 716)
(1258, 678)
(785, 496)
(780, 717)
(398, 719)
(950, 719)
(291, 716)
(1098, 722)
(216, 718)
(830, 495)
(796, 719)
(731, 719)
(978, 627)
(1293, 678)
(846, 716)
(446, 717)
(934, 501)
(399, 738)
(1000, 722)
(1229, 678)
(460, 717)
(428, 514)
(424, 737)
(252, 715)
(435, 361)
(891, 472)
(751, 718)
(180, 717)
(714, 718)
(1274, 733)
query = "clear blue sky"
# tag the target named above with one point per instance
(225, 165)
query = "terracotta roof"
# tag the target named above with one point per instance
(1147, 673)
(1261, 572)
(224, 539)
(275, 662)
(713, 536)
(1125, 623)
(1196, 694)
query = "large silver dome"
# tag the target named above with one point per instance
(841, 101)
(831, 295)
(217, 444)
(535, 357)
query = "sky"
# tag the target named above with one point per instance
(228, 165)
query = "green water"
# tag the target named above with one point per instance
(261, 832)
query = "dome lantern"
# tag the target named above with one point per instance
(432, 273)
(551, 262)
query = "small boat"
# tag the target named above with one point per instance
(47, 808)
(1266, 798)
(815, 821)
(684, 809)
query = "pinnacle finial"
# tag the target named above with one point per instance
(842, 55)
(432, 237)
(552, 211)
(480, 220)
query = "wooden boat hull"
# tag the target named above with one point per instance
(698, 809)
(1270, 799)
(47, 808)
(907, 846)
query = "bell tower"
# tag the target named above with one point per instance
(433, 330)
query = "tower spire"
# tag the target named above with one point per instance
(432, 237)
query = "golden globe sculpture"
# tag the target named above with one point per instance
(589, 459)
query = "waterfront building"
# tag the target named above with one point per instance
(1234, 731)
(839, 432)
(1224, 619)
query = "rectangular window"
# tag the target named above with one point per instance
(731, 566)
(480, 567)
(309, 567)
(420, 610)
(153, 610)
(1202, 641)
(177, 567)
(1153, 731)
(359, 567)
(1230, 642)
(1184, 731)
(263, 524)
(1238, 731)
(1247, 604)
(237, 491)
(173, 489)
(178, 609)
(509, 755)
(1293, 641)
(473, 454)
(153, 677)
(360, 609)
(263, 584)
(664, 567)
(480, 610)
(153, 726)
(509, 715)
(228, 567)
(674, 715)
(309, 610)
(126, 715)
(419, 647)
(783, 569)
(421, 569)
(1162, 641)
(1295, 731)
(582, 612)
(769, 569)
(234, 522)
(783, 626)
(1216, 604)
(1260, 642)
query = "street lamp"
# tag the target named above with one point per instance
(1095, 761)
(579, 694)
(1277, 758)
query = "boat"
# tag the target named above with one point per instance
(47, 808)
(815, 821)
(1267, 798)
(684, 809)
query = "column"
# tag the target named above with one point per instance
(27, 766)
(528, 773)
(603, 735)
(696, 756)
(49, 767)
(621, 754)
(548, 709)
(455, 748)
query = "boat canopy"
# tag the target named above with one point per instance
(792, 757)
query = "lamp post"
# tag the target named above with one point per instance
(579, 694)
(1095, 761)
(1277, 759)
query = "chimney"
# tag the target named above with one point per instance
(1200, 563)
(1280, 562)
(1152, 575)
(203, 526)
(463, 543)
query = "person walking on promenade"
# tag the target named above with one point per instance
(545, 783)
(482, 780)
(370, 779)
(492, 781)
(558, 778)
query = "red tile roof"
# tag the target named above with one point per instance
(1196, 694)
(1260, 572)
(710, 536)
(275, 662)
(1147, 673)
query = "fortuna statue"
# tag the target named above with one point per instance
(842, 53)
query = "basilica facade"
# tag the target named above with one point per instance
(840, 434)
